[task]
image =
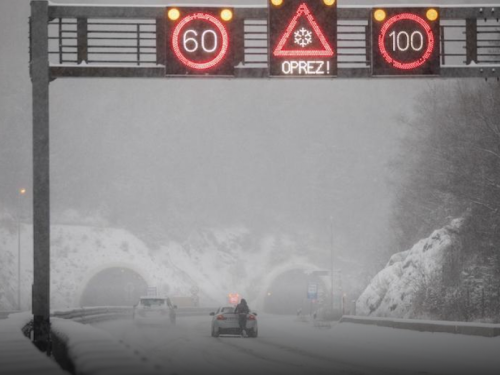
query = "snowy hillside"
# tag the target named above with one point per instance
(215, 261)
(394, 290)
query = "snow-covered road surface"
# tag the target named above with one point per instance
(287, 346)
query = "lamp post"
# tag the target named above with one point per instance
(22, 191)
(331, 262)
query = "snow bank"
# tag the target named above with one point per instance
(393, 290)
(18, 355)
(92, 351)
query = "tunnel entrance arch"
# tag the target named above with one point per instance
(284, 289)
(287, 294)
(114, 286)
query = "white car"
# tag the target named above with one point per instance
(225, 321)
(154, 310)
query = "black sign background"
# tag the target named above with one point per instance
(279, 19)
(381, 67)
(174, 66)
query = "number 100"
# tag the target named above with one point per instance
(402, 41)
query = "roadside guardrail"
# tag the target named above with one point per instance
(463, 328)
(94, 314)
(100, 313)
(5, 314)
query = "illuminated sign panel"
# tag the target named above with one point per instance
(199, 41)
(303, 38)
(405, 41)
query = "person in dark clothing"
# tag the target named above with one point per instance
(242, 310)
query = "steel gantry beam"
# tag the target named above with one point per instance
(78, 33)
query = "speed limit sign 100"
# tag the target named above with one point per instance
(405, 41)
(199, 41)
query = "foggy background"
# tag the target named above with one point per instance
(285, 169)
(166, 157)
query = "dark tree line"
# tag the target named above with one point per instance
(451, 168)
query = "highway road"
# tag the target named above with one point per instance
(288, 346)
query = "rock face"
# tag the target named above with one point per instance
(395, 290)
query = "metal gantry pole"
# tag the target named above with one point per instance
(39, 69)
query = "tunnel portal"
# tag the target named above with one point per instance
(116, 286)
(288, 293)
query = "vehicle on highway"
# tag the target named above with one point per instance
(154, 310)
(225, 321)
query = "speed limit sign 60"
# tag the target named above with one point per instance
(199, 41)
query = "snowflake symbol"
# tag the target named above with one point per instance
(303, 37)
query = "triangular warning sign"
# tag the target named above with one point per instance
(303, 38)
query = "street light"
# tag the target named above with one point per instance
(331, 262)
(22, 191)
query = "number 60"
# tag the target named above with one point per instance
(191, 44)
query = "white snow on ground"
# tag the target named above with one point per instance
(17, 354)
(287, 346)
(93, 351)
(392, 291)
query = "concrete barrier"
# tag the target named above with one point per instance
(473, 329)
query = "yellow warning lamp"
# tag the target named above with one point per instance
(276, 3)
(226, 14)
(432, 14)
(173, 14)
(379, 15)
(329, 3)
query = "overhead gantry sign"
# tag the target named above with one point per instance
(288, 38)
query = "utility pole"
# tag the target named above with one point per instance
(21, 193)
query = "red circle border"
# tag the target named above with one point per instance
(200, 65)
(398, 64)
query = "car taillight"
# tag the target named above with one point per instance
(221, 317)
(251, 317)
